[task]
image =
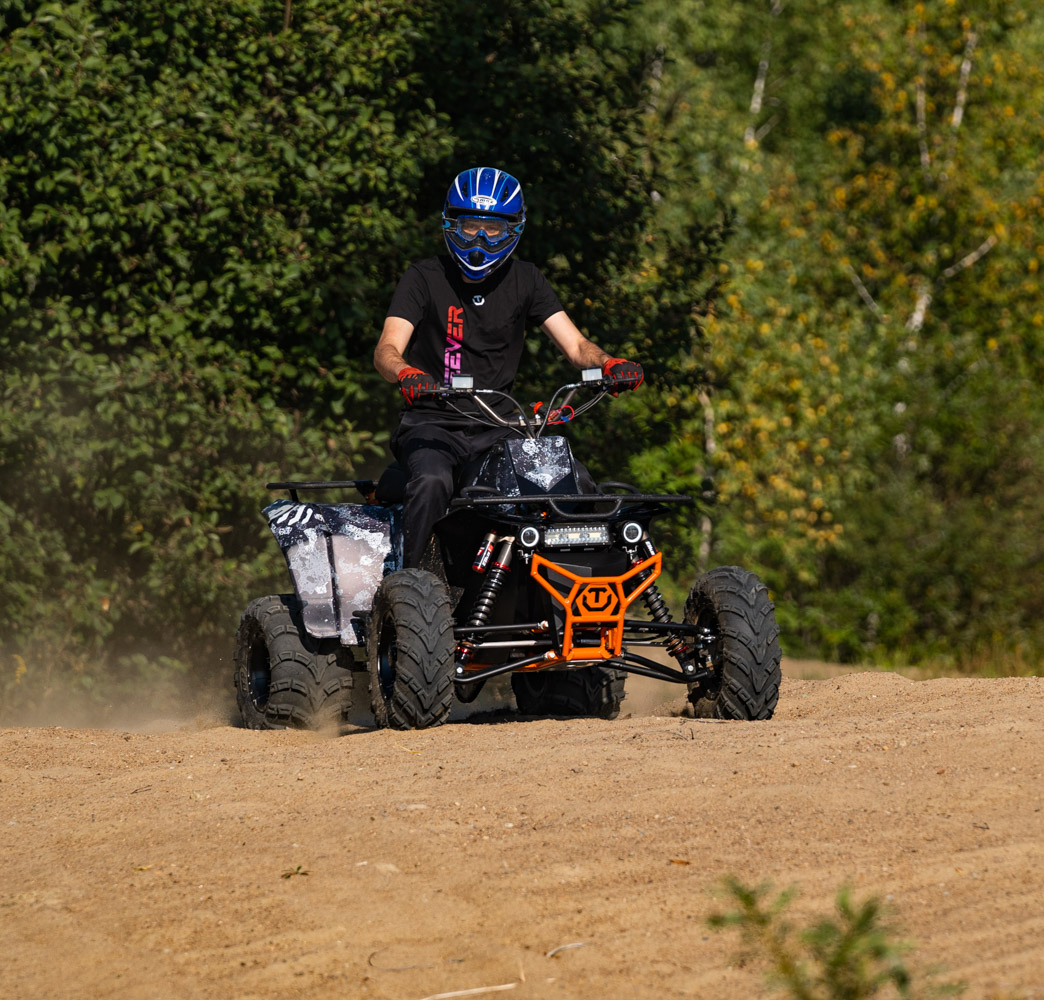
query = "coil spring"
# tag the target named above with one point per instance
(486, 601)
(657, 606)
(487, 598)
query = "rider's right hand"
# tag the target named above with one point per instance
(414, 383)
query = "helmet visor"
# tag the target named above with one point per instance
(467, 230)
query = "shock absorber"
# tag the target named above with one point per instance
(487, 599)
(657, 606)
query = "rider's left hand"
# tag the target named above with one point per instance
(622, 374)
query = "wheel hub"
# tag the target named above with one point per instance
(387, 654)
(260, 675)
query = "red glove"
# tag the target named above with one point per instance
(622, 374)
(413, 383)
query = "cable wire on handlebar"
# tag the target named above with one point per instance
(576, 411)
(522, 424)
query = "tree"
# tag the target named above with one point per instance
(198, 213)
(868, 368)
(940, 199)
(204, 211)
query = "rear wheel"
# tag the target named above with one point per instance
(594, 692)
(285, 677)
(734, 606)
(410, 651)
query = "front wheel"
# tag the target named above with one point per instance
(592, 692)
(410, 651)
(733, 605)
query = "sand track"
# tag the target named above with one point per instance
(151, 864)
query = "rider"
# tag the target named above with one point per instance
(466, 313)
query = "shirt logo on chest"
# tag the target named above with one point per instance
(454, 336)
(479, 300)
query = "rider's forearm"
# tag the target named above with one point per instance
(588, 355)
(389, 356)
(388, 361)
(579, 351)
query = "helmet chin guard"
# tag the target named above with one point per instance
(482, 220)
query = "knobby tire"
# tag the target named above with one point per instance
(735, 605)
(284, 677)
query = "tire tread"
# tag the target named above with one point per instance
(422, 689)
(310, 679)
(744, 618)
(591, 692)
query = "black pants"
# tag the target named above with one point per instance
(433, 450)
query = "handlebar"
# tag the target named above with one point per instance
(531, 423)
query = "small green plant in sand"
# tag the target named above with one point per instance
(854, 956)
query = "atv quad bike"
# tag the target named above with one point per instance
(528, 574)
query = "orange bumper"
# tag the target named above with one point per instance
(594, 606)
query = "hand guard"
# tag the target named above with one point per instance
(622, 374)
(414, 383)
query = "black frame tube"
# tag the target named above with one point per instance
(551, 501)
(364, 486)
(470, 676)
(630, 662)
(666, 628)
(463, 631)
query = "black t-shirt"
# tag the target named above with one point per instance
(464, 328)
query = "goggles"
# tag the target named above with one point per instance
(467, 229)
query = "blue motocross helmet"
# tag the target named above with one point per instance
(483, 219)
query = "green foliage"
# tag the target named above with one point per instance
(831, 277)
(202, 216)
(179, 169)
(853, 957)
(869, 409)
(198, 216)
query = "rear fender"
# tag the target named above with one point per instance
(337, 555)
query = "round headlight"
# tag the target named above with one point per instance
(632, 532)
(529, 537)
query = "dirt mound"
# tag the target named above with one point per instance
(552, 858)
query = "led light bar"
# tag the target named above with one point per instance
(571, 536)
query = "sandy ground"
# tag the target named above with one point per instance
(549, 858)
